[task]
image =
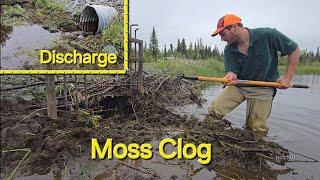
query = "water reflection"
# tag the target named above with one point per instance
(23, 39)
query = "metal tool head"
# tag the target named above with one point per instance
(181, 76)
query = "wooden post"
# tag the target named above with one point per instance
(51, 97)
(140, 71)
(130, 54)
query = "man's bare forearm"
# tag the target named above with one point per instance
(293, 59)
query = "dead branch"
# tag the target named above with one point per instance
(162, 82)
(34, 84)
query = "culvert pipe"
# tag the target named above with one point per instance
(94, 18)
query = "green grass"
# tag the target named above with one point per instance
(113, 34)
(49, 5)
(211, 67)
(310, 68)
(13, 15)
(50, 13)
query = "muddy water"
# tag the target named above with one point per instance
(294, 123)
(23, 39)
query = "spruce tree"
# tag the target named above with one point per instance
(189, 51)
(145, 48)
(154, 46)
(165, 51)
(178, 46)
(183, 47)
(171, 49)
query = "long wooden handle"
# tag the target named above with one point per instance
(213, 79)
(247, 82)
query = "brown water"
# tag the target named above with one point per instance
(23, 39)
(294, 123)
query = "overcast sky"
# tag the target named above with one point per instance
(193, 19)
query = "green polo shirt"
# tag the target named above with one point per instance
(261, 63)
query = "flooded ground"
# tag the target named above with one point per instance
(294, 123)
(22, 40)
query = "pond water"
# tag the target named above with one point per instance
(23, 39)
(294, 123)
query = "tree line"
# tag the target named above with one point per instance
(194, 50)
(197, 50)
(310, 56)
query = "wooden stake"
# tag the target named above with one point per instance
(51, 97)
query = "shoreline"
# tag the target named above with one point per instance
(213, 67)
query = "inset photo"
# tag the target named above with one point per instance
(64, 36)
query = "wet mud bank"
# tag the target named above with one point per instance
(119, 111)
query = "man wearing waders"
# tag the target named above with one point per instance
(252, 54)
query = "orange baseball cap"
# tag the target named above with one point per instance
(225, 21)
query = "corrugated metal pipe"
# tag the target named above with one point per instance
(94, 18)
